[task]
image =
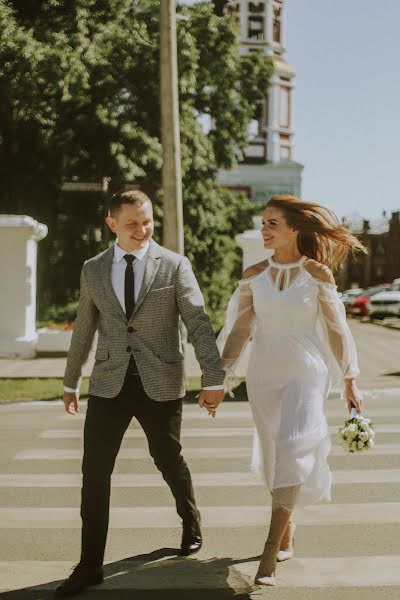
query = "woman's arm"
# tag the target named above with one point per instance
(339, 335)
(241, 330)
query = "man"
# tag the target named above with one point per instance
(134, 294)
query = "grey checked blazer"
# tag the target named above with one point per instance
(169, 292)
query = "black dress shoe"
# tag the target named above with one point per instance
(191, 539)
(81, 577)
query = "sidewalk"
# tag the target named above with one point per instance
(392, 323)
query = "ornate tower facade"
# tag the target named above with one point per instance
(267, 167)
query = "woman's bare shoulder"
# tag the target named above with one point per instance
(319, 271)
(255, 269)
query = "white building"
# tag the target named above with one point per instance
(268, 167)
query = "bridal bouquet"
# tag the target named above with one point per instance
(357, 434)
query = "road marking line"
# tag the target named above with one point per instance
(188, 432)
(209, 452)
(212, 516)
(331, 412)
(195, 432)
(244, 478)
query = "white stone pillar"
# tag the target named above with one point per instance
(251, 243)
(18, 251)
(243, 16)
(283, 29)
(269, 20)
(273, 125)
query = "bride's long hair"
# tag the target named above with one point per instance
(321, 235)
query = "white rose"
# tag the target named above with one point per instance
(363, 437)
(352, 427)
(360, 445)
(371, 444)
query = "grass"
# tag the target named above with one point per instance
(13, 390)
(20, 390)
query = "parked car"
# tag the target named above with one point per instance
(348, 296)
(384, 304)
(359, 306)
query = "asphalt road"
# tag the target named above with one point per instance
(346, 548)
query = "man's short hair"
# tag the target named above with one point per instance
(126, 197)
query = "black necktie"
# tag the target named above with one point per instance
(129, 286)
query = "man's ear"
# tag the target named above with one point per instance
(111, 223)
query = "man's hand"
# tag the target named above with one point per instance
(71, 402)
(211, 399)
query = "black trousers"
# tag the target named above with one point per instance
(107, 419)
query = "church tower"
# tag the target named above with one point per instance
(267, 166)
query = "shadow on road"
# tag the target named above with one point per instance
(158, 575)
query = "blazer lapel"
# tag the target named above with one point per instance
(106, 265)
(152, 264)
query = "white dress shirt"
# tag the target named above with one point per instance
(118, 271)
(118, 268)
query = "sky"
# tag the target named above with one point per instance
(347, 102)
(346, 54)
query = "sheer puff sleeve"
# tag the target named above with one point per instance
(332, 325)
(336, 331)
(236, 334)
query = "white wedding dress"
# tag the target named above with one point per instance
(288, 332)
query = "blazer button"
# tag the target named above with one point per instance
(130, 329)
(128, 348)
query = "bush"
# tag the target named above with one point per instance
(61, 314)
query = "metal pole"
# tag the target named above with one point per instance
(170, 138)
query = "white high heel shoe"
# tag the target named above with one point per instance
(289, 553)
(267, 579)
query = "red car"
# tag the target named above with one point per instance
(358, 307)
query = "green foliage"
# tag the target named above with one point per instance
(79, 100)
(61, 314)
(28, 389)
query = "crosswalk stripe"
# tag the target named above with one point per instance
(223, 413)
(195, 432)
(192, 432)
(241, 478)
(228, 452)
(212, 516)
(131, 453)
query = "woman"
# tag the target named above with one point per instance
(289, 307)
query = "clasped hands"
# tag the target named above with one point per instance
(210, 400)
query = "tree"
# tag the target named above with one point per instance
(79, 90)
